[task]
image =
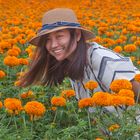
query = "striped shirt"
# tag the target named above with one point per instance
(104, 67)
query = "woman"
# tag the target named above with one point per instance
(62, 51)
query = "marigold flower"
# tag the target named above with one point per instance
(1, 104)
(58, 101)
(101, 98)
(23, 61)
(2, 74)
(137, 77)
(126, 93)
(91, 85)
(17, 49)
(14, 105)
(113, 127)
(129, 101)
(34, 108)
(99, 139)
(12, 52)
(138, 62)
(130, 48)
(118, 49)
(117, 100)
(27, 94)
(17, 83)
(119, 84)
(85, 102)
(11, 61)
(68, 93)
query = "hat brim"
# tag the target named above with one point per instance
(87, 34)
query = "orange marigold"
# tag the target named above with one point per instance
(14, 105)
(23, 61)
(2, 74)
(27, 94)
(91, 85)
(126, 93)
(129, 101)
(12, 52)
(58, 101)
(118, 49)
(130, 48)
(34, 108)
(1, 104)
(137, 77)
(17, 49)
(85, 102)
(68, 93)
(11, 61)
(113, 127)
(101, 98)
(117, 100)
(119, 84)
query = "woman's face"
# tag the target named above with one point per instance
(57, 44)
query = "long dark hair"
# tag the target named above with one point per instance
(46, 70)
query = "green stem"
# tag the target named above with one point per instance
(55, 116)
(89, 120)
(32, 127)
(24, 122)
(137, 99)
(15, 123)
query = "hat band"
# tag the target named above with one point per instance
(59, 24)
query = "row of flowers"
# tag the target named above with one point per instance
(122, 94)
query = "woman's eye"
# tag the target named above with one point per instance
(47, 39)
(59, 36)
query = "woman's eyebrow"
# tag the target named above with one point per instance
(59, 31)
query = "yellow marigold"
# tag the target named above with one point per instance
(1, 104)
(34, 108)
(58, 101)
(137, 77)
(13, 104)
(91, 85)
(126, 93)
(113, 127)
(132, 58)
(101, 98)
(118, 49)
(68, 93)
(119, 84)
(2, 74)
(11, 61)
(130, 48)
(17, 83)
(85, 102)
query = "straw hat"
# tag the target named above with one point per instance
(57, 19)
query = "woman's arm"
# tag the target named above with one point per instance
(136, 89)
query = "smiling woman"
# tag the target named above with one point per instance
(59, 43)
(63, 51)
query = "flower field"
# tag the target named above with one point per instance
(43, 113)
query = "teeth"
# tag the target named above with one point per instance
(57, 51)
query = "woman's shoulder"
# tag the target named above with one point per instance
(100, 51)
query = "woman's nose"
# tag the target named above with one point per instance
(54, 43)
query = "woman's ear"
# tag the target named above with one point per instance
(78, 34)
